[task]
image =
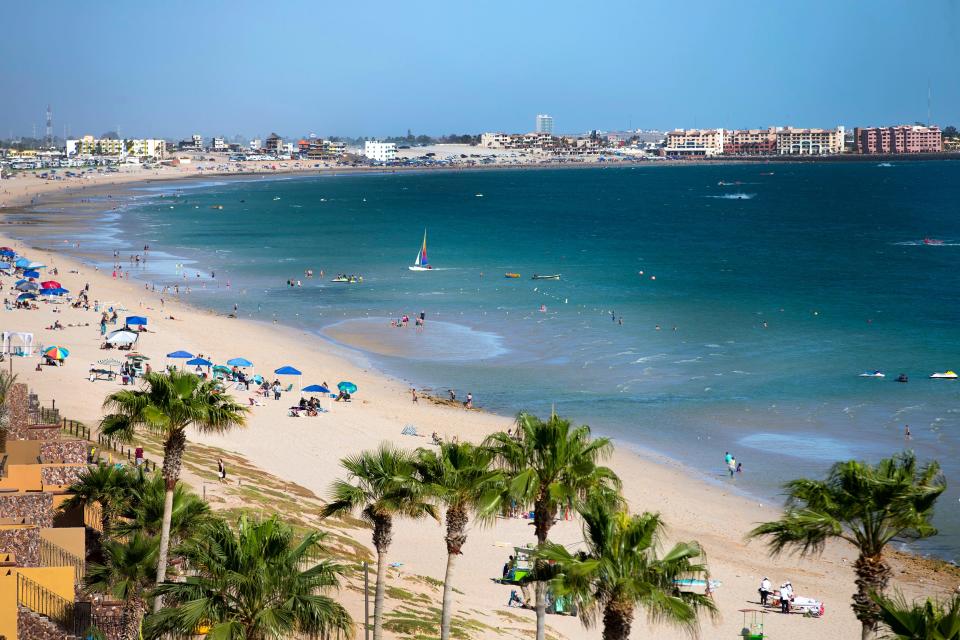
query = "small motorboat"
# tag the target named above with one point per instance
(903, 378)
(347, 279)
(218, 207)
(884, 164)
(555, 276)
(932, 241)
(946, 375)
(873, 374)
(511, 275)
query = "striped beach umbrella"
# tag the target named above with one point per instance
(56, 353)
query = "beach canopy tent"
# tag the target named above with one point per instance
(50, 284)
(22, 263)
(199, 362)
(136, 321)
(287, 370)
(27, 286)
(182, 355)
(56, 353)
(122, 336)
(17, 343)
(30, 273)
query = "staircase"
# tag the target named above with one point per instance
(44, 615)
(53, 555)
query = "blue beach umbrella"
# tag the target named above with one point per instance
(347, 387)
(26, 296)
(7, 253)
(26, 285)
(5, 265)
(36, 265)
(316, 388)
(54, 292)
(239, 362)
(31, 274)
(202, 362)
(181, 355)
(136, 321)
(22, 263)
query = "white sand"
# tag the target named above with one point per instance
(307, 450)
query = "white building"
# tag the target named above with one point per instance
(695, 142)
(379, 151)
(544, 123)
(791, 141)
(256, 144)
(140, 148)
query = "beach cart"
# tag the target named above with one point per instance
(521, 566)
(752, 624)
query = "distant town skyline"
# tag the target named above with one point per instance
(436, 68)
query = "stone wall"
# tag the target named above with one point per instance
(61, 475)
(19, 407)
(31, 626)
(24, 543)
(108, 619)
(29, 508)
(64, 451)
(42, 432)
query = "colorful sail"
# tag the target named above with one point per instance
(422, 256)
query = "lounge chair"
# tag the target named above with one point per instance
(289, 388)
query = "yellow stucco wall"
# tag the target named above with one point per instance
(8, 604)
(56, 579)
(70, 538)
(22, 477)
(22, 451)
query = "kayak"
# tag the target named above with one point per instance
(511, 275)
(555, 276)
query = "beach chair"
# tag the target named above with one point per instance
(289, 388)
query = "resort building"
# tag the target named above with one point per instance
(544, 123)
(316, 149)
(379, 151)
(749, 142)
(218, 144)
(140, 148)
(694, 142)
(274, 144)
(898, 139)
(792, 141)
(528, 141)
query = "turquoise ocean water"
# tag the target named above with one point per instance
(772, 294)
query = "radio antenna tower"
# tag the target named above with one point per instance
(49, 137)
(929, 100)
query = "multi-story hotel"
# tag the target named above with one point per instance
(695, 142)
(751, 142)
(544, 123)
(538, 140)
(379, 151)
(899, 139)
(142, 148)
(791, 141)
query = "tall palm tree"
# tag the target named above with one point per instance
(928, 620)
(256, 581)
(167, 405)
(127, 574)
(107, 485)
(621, 570)
(865, 505)
(551, 464)
(459, 476)
(381, 486)
(6, 381)
(144, 511)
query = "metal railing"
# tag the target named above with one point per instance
(53, 555)
(93, 516)
(74, 618)
(75, 428)
(45, 415)
(107, 442)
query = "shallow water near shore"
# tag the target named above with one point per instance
(745, 321)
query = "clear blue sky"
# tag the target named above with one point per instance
(376, 68)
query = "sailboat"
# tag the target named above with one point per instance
(421, 263)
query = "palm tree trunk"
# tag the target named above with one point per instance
(873, 575)
(617, 620)
(133, 610)
(382, 536)
(457, 519)
(540, 594)
(542, 521)
(172, 459)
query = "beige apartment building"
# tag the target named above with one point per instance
(695, 142)
(792, 141)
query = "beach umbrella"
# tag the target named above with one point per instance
(51, 284)
(53, 292)
(122, 336)
(347, 387)
(36, 265)
(109, 363)
(133, 355)
(22, 263)
(26, 296)
(56, 353)
(199, 362)
(287, 370)
(183, 355)
(7, 252)
(31, 274)
(5, 265)
(239, 362)
(316, 388)
(27, 286)
(136, 321)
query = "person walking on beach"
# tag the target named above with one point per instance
(469, 403)
(786, 595)
(221, 471)
(413, 393)
(732, 466)
(766, 588)
(276, 390)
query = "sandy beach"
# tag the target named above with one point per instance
(306, 450)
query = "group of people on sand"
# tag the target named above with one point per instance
(784, 594)
(403, 321)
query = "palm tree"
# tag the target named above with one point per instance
(6, 381)
(127, 574)
(169, 404)
(459, 477)
(553, 464)
(928, 620)
(865, 505)
(107, 485)
(383, 487)
(621, 570)
(144, 511)
(256, 582)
